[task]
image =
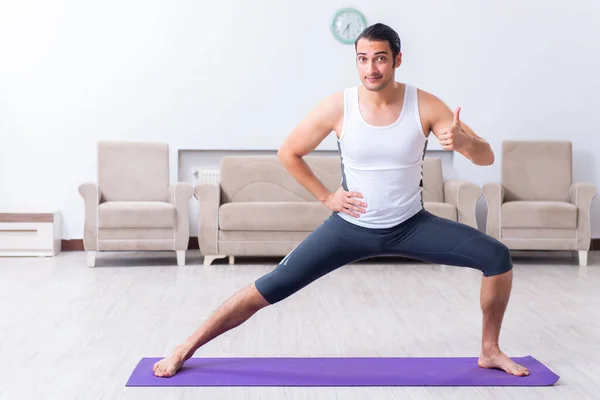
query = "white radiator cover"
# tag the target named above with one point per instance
(207, 175)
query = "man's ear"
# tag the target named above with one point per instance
(398, 60)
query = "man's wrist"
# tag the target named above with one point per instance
(324, 196)
(479, 151)
(472, 142)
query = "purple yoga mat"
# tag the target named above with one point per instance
(358, 371)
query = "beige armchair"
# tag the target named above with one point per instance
(537, 206)
(132, 207)
(258, 208)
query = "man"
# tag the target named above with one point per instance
(382, 128)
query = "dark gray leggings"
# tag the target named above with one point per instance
(425, 237)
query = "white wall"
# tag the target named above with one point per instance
(240, 74)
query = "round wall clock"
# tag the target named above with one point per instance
(347, 24)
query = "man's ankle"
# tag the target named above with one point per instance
(490, 349)
(184, 351)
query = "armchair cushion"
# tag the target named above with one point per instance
(272, 216)
(536, 169)
(539, 214)
(132, 171)
(136, 214)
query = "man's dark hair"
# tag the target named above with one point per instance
(381, 32)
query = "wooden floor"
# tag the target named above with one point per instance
(72, 332)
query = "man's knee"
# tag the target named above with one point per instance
(279, 284)
(500, 261)
(256, 298)
(269, 288)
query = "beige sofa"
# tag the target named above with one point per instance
(132, 206)
(537, 206)
(258, 209)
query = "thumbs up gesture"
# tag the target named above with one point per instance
(455, 138)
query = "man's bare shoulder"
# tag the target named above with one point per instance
(332, 104)
(432, 109)
(428, 100)
(328, 111)
(315, 126)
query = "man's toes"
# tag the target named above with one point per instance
(521, 372)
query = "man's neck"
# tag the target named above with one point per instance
(384, 97)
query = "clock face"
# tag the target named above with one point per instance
(347, 24)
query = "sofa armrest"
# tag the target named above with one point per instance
(209, 196)
(180, 194)
(581, 195)
(494, 196)
(90, 192)
(463, 195)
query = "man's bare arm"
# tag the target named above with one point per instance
(307, 135)
(454, 134)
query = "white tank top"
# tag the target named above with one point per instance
(384, 163)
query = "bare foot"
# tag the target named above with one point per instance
(497, 359)
(167, 367)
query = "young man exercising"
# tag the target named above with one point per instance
(382, 128)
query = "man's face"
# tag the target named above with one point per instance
(376, 64)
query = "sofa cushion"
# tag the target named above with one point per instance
(272, 216)
(136, 214)
(539, 214)
(262, 178)
(443, 210)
